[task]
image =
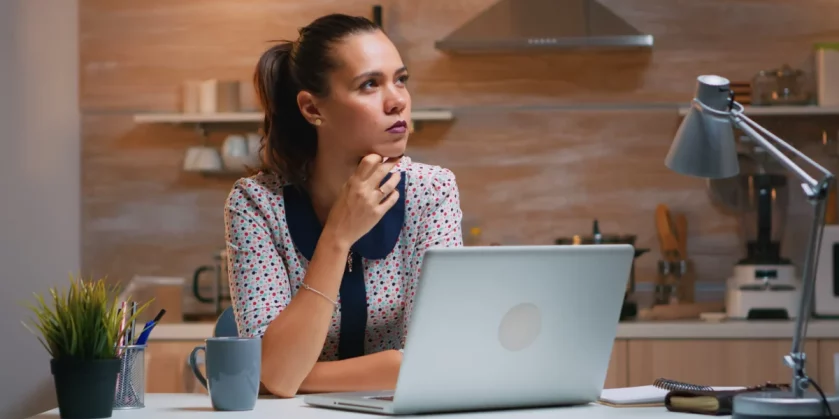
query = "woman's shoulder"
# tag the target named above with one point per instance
(424, 176)
(256, 190)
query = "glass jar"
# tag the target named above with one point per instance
(782, 86)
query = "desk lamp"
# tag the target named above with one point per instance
(704, 147)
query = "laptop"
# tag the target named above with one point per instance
(501, 327)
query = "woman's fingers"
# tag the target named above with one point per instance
(389, 186)
(381, 171)
(389, 202)
(367, 166)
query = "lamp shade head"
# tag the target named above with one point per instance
(704, 143)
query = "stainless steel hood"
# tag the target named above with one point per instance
(525, 25)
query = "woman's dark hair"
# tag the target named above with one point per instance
(290, 142)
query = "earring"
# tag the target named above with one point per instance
(317, 122)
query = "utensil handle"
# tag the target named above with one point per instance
(681, 222)
(666, 234)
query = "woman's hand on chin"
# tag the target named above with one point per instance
(362, 202)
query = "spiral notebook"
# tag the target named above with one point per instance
(651, 395)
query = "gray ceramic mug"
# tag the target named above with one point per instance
(233, 365)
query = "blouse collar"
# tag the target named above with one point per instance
(305, 228)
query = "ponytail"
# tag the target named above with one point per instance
(291, 142)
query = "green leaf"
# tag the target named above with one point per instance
(82, 321)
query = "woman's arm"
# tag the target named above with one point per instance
(294, 340)
(377, 371)
(292, 331)
(439, 225)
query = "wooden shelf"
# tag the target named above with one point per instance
(233, 117)
(780, 110)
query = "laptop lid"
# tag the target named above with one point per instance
(512, 326)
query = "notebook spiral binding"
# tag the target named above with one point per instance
(673, 385)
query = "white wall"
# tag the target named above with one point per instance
(39, 184)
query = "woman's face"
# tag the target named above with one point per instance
(368, 109)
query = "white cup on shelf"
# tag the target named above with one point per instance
(202, 159)
(234, 152)
(254, 142)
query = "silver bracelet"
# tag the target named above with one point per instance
(306, 286)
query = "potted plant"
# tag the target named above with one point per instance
(81, 330)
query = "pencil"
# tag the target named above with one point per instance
(130, 340)
(121, 342)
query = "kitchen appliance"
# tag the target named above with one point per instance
(539, 25)
(211, 296)
(764, 284)
(630, 306)
(826, 298)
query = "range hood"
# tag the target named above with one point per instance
(523, 25)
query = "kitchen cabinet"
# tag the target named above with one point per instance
(715, 362)
(616, 376)
(168, 370)
(634, 362)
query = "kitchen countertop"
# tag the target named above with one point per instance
(684, 329)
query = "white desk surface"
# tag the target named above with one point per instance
(188, 406)
(680, 329)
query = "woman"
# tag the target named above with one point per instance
(326, 241)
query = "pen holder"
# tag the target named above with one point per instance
(131, 381)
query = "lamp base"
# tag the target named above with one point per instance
(783, 404)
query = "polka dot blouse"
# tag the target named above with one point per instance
(271, 233)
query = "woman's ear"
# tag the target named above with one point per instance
(308, 107)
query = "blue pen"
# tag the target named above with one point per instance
(144, 335)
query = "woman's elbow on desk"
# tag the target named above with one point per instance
(274, 383)
(377, 371)
(278, 392)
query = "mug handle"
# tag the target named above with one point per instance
(193, 363)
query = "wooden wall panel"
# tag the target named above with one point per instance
(530, 165)
(529, 177)
(135, 55)
(141, 214)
